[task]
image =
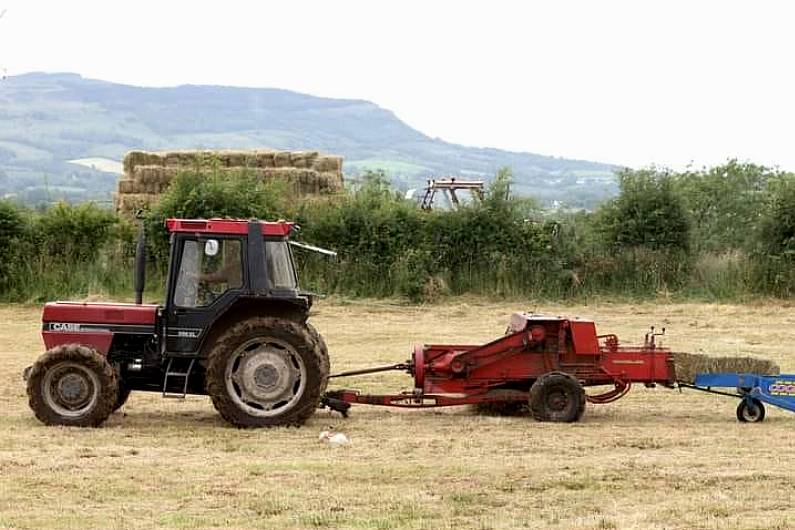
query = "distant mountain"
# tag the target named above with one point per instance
(47, 120)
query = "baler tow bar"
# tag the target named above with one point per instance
(334, 402)
(374, 370)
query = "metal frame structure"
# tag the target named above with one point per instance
(448, 187)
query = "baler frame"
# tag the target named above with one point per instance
(506, 369)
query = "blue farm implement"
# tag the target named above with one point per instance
(754, 391)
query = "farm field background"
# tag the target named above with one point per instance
(656, 459)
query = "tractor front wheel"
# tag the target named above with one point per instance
(72, 385)
(557, 397)
(266, 371)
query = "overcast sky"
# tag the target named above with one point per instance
(635, 83)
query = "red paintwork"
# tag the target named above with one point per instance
(583, 337)
(447, 374)
(77, 313)
(99, 313)
(227, 226)
(99, 340)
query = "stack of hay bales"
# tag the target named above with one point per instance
(147, 175)
(687, 365)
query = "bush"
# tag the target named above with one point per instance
(774, 249)
(640, 244)
(647, 213)
(74, 233)
(12, 232)
(207, 192)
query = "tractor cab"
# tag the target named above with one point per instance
(217, 265)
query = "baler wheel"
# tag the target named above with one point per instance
(750, 411)
(266, 371)
(72, 385)
(557, 397)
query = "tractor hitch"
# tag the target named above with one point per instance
(335, 404)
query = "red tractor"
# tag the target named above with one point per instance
(233, 326)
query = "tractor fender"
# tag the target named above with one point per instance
(248, 307)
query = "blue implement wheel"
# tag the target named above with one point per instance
(750, 410)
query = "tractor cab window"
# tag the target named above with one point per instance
(279, 262)
(209, 267)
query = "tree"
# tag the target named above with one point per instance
(725, 203)
(776, 232)
(647, 213)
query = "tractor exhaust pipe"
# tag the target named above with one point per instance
(139, 276)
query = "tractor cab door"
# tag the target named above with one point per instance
(206, 276)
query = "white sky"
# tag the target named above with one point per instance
(634, 83)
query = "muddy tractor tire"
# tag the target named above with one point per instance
(265, 372)
(322, 352)
(122, 396)
(72, 385)
(557, 397)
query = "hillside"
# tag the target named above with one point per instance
(46, 120)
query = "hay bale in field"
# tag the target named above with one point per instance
(132, 159)
(173, 159)
(147, 175)
(303, 159)
(127, 186)
(236, 158)
(265, 159)
(687, 365)
(330, 181)
(154, 174)
(281, 159)
(327, 163)
(156, 159)
(128, 203)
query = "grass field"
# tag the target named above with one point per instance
(656, 459)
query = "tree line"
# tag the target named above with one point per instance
(721, 233)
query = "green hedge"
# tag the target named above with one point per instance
(660, 236)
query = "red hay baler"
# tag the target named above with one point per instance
(541, 361)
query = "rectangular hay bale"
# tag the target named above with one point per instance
(327, 163)
(688, 365)
(126, 186)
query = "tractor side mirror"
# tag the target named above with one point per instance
(211, 247)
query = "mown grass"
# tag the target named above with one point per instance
(656, 459)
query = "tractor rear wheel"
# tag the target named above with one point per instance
(72, 385)
(557, 397)
(121, 398)
(266, 371)
(322, 352)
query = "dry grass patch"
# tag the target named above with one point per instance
(656, 459)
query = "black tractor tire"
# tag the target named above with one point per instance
(72, 385)
(322, 352)
(753, 412)
(122, 396)
(284, 384)
(557, 397)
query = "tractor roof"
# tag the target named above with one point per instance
(227, 226)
